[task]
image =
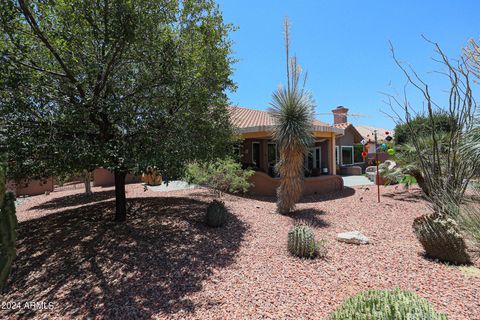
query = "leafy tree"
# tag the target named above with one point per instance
(292, 108)
(119, 84)
(221, 175)
(423, 126)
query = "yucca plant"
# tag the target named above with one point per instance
(292, 110)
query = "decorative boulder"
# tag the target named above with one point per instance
(355, 237)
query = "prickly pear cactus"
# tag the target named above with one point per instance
(216, 214)
(8, 225)
(302, 243)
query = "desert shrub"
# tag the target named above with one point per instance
(469, 220)
(302, 243)
(221, 175)
(216, 214)
(386, 304)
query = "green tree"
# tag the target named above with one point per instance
(423, 126)
(292, 108)
(119, 84)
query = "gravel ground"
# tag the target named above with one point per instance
(165, 264)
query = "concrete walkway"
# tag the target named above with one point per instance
(352, 181)
(174, 185)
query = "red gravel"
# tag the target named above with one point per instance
(164, 263)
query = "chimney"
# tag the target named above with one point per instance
(340, 115)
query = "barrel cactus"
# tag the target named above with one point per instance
(386, 304)
(8, 225)
(441, 238)
(302, 243)
(216, 214)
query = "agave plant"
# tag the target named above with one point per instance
(292, 110)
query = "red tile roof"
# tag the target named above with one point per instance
(368, 131)
(342, 125)
(251, 120)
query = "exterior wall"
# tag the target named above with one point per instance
(264, 185)
(246, 153)
(105, 178)
(31, 187)
(348, 139)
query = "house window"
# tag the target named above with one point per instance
(272, 154)
(347, 155)
(337, 154)
(256, 154)
(357, 153)
(314, 158)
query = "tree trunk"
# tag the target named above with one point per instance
(86, 181)
(120, 199)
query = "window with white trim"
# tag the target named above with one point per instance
(357, 153)
(347, 155)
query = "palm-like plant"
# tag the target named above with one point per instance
(292, 109)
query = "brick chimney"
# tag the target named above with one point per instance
(340, 115)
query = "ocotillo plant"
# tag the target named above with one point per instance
(8, 225)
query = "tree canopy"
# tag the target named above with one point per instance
(422, 124)
(113, 83)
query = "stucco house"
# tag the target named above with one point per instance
(349, 147)
(258, 151)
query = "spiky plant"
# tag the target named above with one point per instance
(216, 214)
(292, 110)
(386, 304)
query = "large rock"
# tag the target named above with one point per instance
(355, 237)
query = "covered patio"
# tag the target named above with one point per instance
(258, 151)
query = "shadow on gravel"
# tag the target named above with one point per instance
(74, 200)
(346, 192)
(405, 195)
(88, 266)
(310, 217)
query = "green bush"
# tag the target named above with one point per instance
(302, 243)
(216, 214)
(386, 305)
(222, 175)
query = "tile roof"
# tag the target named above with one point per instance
(368, 131)
(252, 120)
(343, 125)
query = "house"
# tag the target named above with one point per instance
(349, 147)
(258, 151)
(348, 150)
(368, 133)
(31, 187)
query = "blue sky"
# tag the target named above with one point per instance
(344, 47)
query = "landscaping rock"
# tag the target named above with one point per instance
(355, 237)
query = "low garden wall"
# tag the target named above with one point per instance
(105, 178)
(264, 185)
